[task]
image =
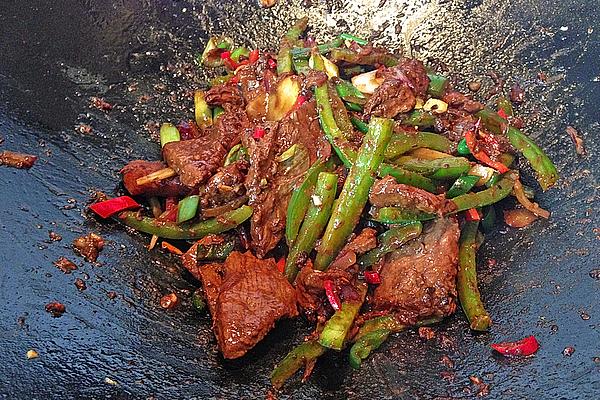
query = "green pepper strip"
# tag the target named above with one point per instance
(462, 148)
(349, 92)
(300, 356)
(300, 201)
(355, 192)
(462, 185)
(353, 107)
(350, 56)
(419, 118)
(437, 85)
(347, 36)
(389, 241)
(289, 40)
(359, 124)
(408, 177)
(169, 133)
(468, 292)
(440, 168)
(198, 230)
(314, 222)
(304, 52)
(397, 215)
(239, 52)
(541, 164)
(505, 105)
(336, 329)
(187, 208)
(216, 251)
(403, 142)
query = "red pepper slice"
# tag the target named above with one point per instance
(226, 55)
(372, 277)
(258, 132)
(524, 347)
(502, 114)
(229, 63)
(253, 56)
(332, 296)
(481, 156)
(281, 265)
(472, 215)
(108, 208)
(170, 248)
(272, 63)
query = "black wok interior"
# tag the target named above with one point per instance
(138, 54)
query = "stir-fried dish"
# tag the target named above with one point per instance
(335, 181)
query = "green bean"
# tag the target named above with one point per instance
(336, 329)
(216, 251)
(407, 177)
(359, 124)
(300, 356)
(403, 142)
(363, 346)
(355, 192)
(290, 39)
(304, 52)
(440, 168)
(170, 230)
(466, 283)
(419, 118)
(486, 197)
(389, 241)
(348, 92)
(315, 221)
(397, 215)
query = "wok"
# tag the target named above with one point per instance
(56, 55)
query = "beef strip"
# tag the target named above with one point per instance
(419, 279)
(269, 184)
(410, 71)
(225, 186)
(219, 95)
(387, 192)
(195, 160)
(245, 296)
(170, 187)
(17, 160)
(366, 240)
(462, 102)
(393, 97)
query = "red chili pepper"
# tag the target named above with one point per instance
(482, 156)
(524, 347)
(229, 63)
(272, 63)
(108, 208)
(253, 56)
(333, 298)
(472, 215)
(502, 114)
(281, 265)
(226, 55)
(372, 277)
(258, 132)
(170, 248)
(299, 101)
(234, 80)
(171, 210)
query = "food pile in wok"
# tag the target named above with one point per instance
(337, 181)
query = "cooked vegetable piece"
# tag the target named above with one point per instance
(397, 215)
(441, 168)
(355, 192)
(389, 241)
(188, 208)
(462, 185)
(314, 223)
(367, 343)
(301, 356)
(347, 36)
(197, 230)
(108, 208)
(437, 85)
(407, 177)
(198, 301)
(419, 118)
(202, 111)
(352, 57)
(486, 197)
(349, 92)
(216, 249)
(237, 152)
(359, 124)
(168, 134)
(505, 106)
(289, 40)
(403, 142)
(336, 329)
(524, 347)
(466, 282)
(304, 52)
(462, 148)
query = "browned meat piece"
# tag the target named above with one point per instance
(314, 78)
(196, 160)
(17, 160)
(494, 145)
(224, 94)
(517, 94)
(256, 82)
(390, 99)
(55, 308)
(412, 72)
(366, 240)
(80, 284)
(302, 126)
(387, 192)
(246, 296)
(226, 185)
(170, 187)
(65, 265)
(419, 279)
(310, 291)
(462, 102)
(88, 246)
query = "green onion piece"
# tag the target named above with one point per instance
(217, 111)
(198, 301)
(239, 52)
(188, 207)
(353, 107)
(202, 112)
(437, 85)
(462, 148)
(347, 36)
(359, 124)
(236, 153)
(168, 133)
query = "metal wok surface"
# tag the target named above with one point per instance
(137, 54)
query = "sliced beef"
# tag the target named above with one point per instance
(462, 102)
(17, 160)
(196, 160)
(393, 97)
(170, 187)
(366, 240)
(246, 296)
(419, 279)
(220, 95)
(225, 186)
(412, 72)
(269, 183)
(387, 192)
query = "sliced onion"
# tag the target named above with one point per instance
(519, 217)
(525, 202)
(367, 82)
(485, 173)
(330, 68)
